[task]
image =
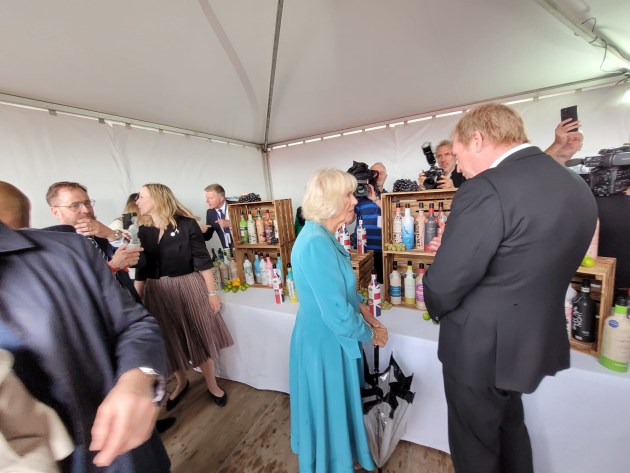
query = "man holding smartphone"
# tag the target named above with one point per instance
(568, 139)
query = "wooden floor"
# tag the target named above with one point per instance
(252, 434)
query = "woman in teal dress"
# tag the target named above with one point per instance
(327, 431)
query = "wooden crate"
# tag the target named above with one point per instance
(273, 250)
(602, 277)
(281, 210)
(362, 266)
(389, 201)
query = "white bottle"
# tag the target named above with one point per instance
(361, 239)
(615, 352)
(397, 226)
(374, 296)
(249, 271)
(410, 285)
(251, 229)
(408, 235)
(395, 286)
(276, 231)
(420, 228)
(345, 238)
(257, 272)
(278, 289)
(420, 288)
(263, 271)
(568, 306)
(269, 271)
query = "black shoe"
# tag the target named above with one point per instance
(219, 401)
(172, 403)
(162, 425)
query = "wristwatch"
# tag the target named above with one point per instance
(159, 384)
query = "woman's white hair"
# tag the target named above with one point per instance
(325, 192)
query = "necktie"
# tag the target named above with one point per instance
(226, 232)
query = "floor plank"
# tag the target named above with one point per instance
(252, 435)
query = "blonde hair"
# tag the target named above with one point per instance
(166, 206)
(498, 123)
(324, 194)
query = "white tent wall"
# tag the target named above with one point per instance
(604, 113)
(112, 161)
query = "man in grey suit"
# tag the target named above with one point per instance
(517, 231)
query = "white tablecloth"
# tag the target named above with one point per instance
(579, 420)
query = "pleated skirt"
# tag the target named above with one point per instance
(192, 332)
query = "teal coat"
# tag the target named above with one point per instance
(325, 376)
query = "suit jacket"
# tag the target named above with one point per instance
(79, 332)
(515, 236)
(457, 178)
(211, 220)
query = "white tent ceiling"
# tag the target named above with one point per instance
(206, 65)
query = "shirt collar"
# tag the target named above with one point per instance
(509, 152)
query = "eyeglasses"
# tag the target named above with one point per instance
(76, 206)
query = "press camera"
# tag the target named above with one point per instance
(365, 177)
(432, 175)
(609, 171)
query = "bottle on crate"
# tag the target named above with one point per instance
(293, 296)
(257, 276)
(408, 235)
(278, 290)
(420, 288)
(242, 226)
(260, 228)
(279, 266)
(251, 229)
(345, 238)
(361, 238)
(268, 228)
(216, 272)
(232, 268)
(615, 351)
(441, 218)
(374, 296)
(263, 270)
(568, 306)
(269, 271)
(276, 231)
(430, 227)
(420, 227)
(395, 286)
(410, 285)
(397, 226)
(583, 317)
(248, 269)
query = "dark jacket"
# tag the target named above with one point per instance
(78, 333)
(211, 220)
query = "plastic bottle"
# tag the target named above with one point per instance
(395, 286)
(430, 228)
(257, 276)
(615, 351)
(420, 227)
(248, 270)
(242, 226)
(251, 229)
(374, 296)
(269, 271)
(408, 235)
(583, 317)
(410, 285)
(397, 226)
(278, 290)
(268, 228)
(260, 229)
(361, 238)
(263, 271)
(293, 296)
(420, 288)
(568, 306)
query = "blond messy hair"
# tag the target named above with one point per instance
(497, 123)
(324, 194)
(166, 206)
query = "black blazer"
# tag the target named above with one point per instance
(457, 178)
(515, 236)
(211, 220)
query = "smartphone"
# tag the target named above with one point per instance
(569, 112)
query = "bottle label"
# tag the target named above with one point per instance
(395, 291)
(613, 323)
(419, 292)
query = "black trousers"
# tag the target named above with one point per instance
(486, 429)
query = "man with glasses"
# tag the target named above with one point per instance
(72, 207)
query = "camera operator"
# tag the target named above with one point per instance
(368, 209)
(451, 178)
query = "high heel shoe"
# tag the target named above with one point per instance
(219, 401)
(172, 403)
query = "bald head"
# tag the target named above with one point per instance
(15, 208)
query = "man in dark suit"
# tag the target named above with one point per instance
(217, 218)
(498, 282)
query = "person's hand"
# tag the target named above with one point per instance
(215, 303)
(563, 130)
(224, 223)
(204, 227)
(125, 257)
(125, 419)
(380, 336)
(435, 243)
(372, 195)
(92, 227)
(445, 183)
(368, 317)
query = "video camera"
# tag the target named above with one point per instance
(365, 177)
(609, 171)
(432, 175)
